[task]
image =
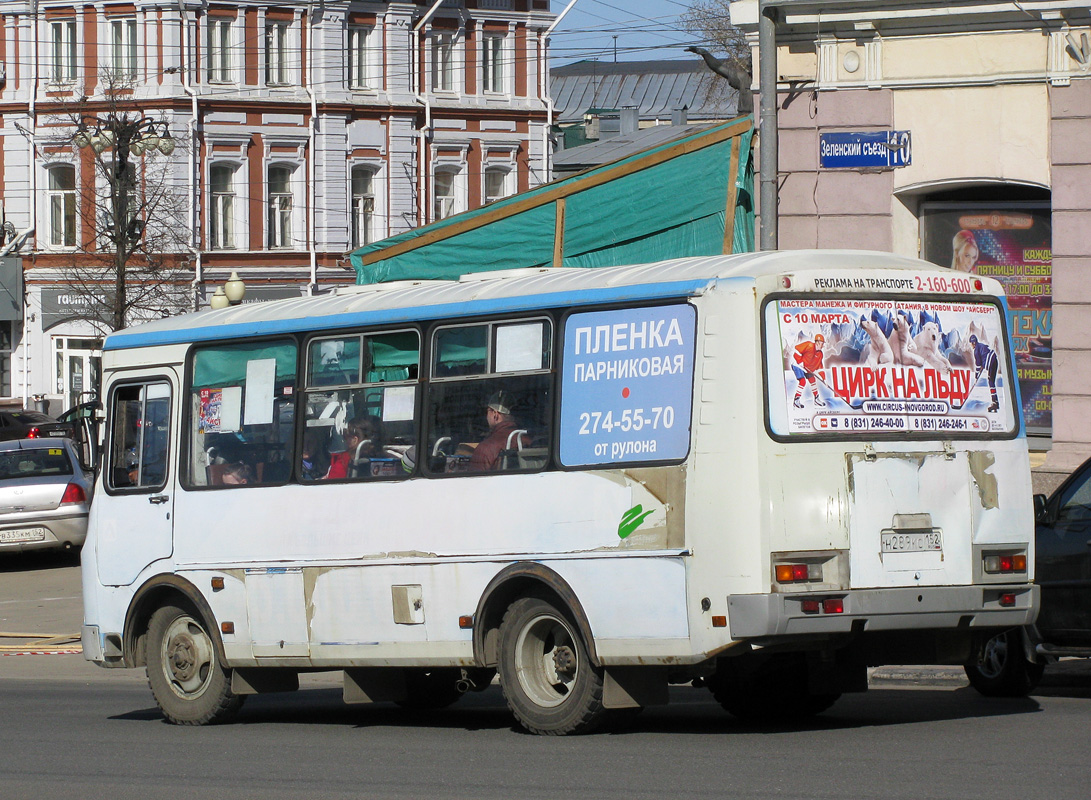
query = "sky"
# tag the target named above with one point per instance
(645, 29)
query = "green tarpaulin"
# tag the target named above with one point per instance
(669, 201)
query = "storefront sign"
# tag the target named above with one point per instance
(1012, 243)
(864, 150)
(68, 304)
(627, 385)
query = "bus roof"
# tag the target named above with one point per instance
(490, 293)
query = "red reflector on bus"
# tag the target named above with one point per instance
(833, 605)
(465, 622)
(1005, 563)
(799, 572)
(73, 493)
(1007, 600)
(978, 285)
(719, 622)
(809, 606)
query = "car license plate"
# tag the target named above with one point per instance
(58, 433)
(23, 535)
(911, 541)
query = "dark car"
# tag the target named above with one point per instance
(82, 411)
(1011, 663)
(28, 424)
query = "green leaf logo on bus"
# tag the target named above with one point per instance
(631, 520)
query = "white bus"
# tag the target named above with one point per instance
(760, 473)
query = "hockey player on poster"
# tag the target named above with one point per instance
(985, 359)
(808, 357)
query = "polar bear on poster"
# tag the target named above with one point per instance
(928, 347)
(901, 342)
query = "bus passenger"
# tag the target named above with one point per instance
(237, 474)
(364, 430)
(501, 421)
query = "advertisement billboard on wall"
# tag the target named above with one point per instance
(1011, 242)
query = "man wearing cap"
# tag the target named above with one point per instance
(486, 456)
(808, 357)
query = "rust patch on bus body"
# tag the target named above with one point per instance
(987, 491)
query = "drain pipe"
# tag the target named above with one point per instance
(195, 160)
(547, 151)
(312, 136)
(32, 112)
(768, 132)
(421, 97)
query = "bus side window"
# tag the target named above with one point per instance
(362, 423)
(139, 436)
(242, 414)
(489, 403)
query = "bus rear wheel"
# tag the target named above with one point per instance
(1000, 669)
(776, 692)
(188, 681)
(548, 679)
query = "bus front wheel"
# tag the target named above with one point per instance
(188, 681)
(548, 679)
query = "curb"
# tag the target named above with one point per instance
(919, 675)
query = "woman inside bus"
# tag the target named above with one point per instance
(363, 440)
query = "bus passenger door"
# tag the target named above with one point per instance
(134, 520)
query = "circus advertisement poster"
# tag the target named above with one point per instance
(871, 366)
(1011, 242)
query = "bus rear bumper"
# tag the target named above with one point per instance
(764, 616)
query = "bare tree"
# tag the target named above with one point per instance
(133, 232)
(711, 21)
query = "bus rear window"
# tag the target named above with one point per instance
(877, 366)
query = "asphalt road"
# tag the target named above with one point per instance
(73, 730)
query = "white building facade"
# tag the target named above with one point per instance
(303, 131)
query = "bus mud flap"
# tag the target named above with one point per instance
(634, 687)
(374, 685)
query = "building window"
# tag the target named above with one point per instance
(222, 207)
(497, 184)
(219, 50)
(446, 186)
(63, 40)
(363, 205)
(62, 206)
(123, 49)
(443, 65)
(277, 72)
(280, 207)
(492, 64)
(361, 74)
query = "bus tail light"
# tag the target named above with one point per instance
(833, 605)
(1007, 600)
(798, 573)
(73, 493)
(1005, 562)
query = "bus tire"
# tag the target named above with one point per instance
(1001, 669)
(776, 692)
(428, 689)
(190, 685)
(549, 682)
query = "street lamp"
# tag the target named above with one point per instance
(230, 294)
(123, 135)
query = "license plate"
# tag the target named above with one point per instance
(911, 542)
(58, 433)
(23, 535)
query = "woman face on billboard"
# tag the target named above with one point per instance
(965, 250)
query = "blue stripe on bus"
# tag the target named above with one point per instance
(647, 291)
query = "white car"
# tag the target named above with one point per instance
(45, 495)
